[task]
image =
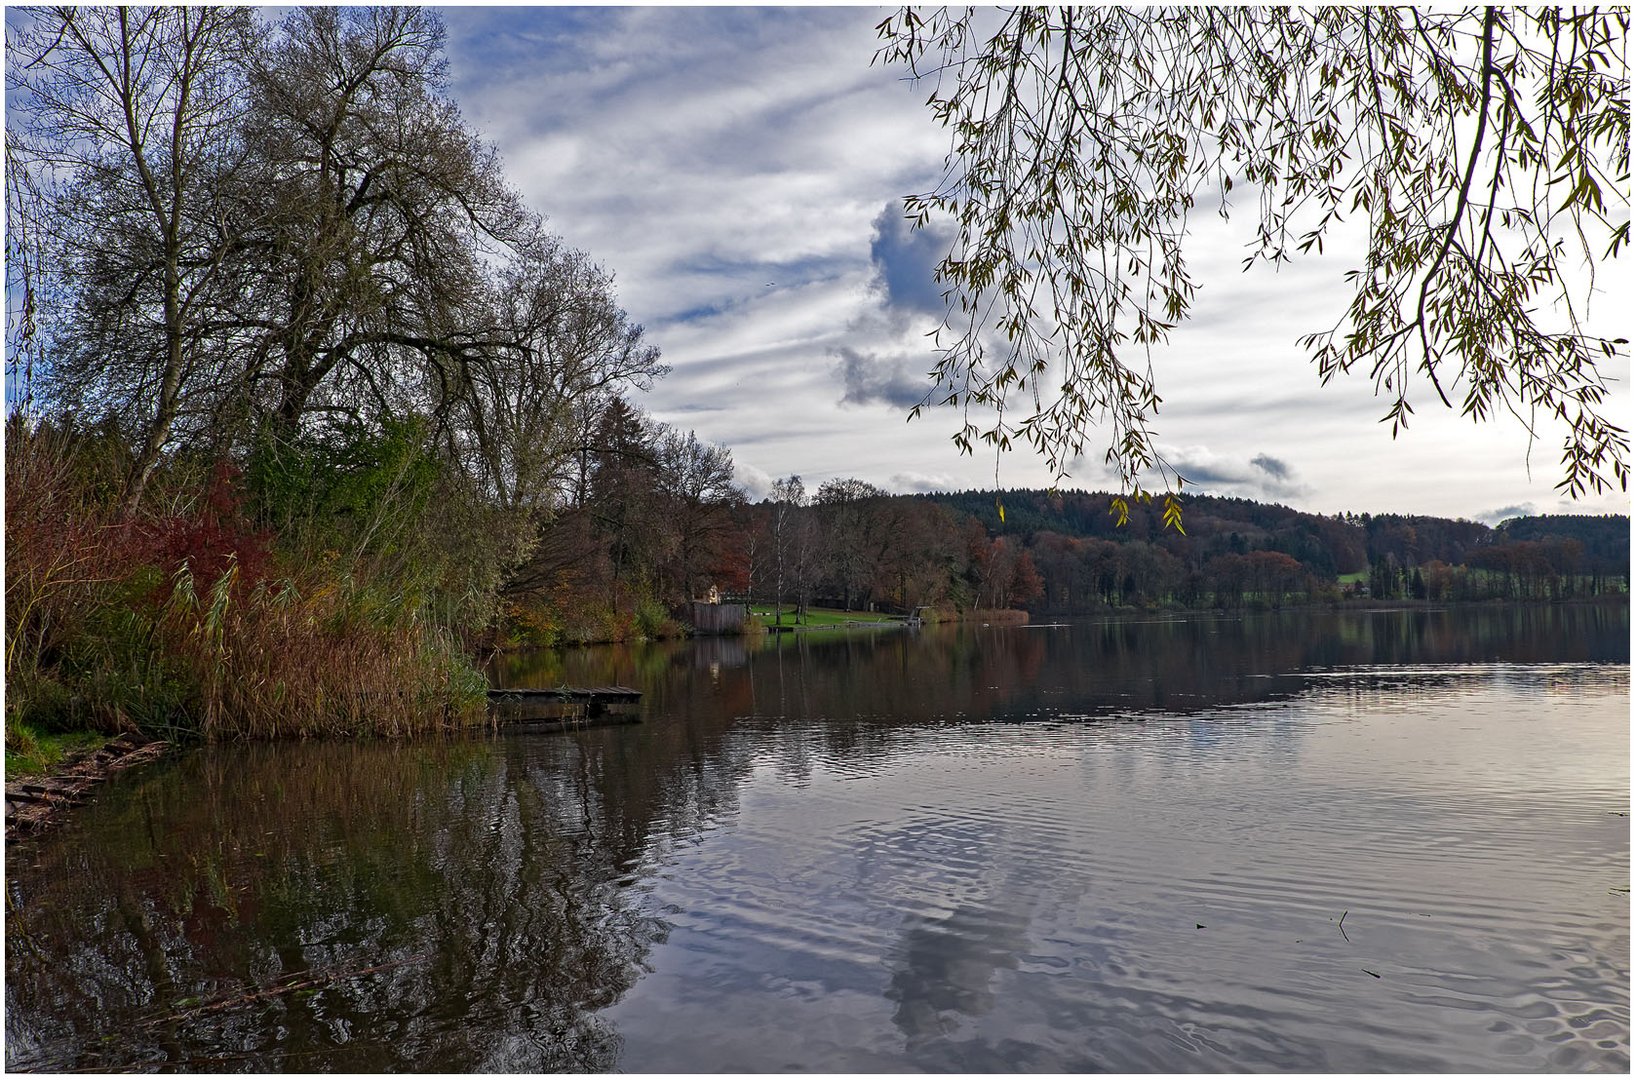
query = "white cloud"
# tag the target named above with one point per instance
(908, 482)
(737, 169)
(757, 484)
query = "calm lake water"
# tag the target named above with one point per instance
(1360, 842)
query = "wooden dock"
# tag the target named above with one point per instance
(565, 706)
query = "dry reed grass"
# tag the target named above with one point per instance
(277, 661)
(184, 623)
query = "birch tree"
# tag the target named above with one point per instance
(126, 135)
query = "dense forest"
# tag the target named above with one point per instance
(309, 411)
(1061, 553)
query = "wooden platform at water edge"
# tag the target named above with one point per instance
(563, 708)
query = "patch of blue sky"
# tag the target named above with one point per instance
(700, 313)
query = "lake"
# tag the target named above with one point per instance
(1392, 840)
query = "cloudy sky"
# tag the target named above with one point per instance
(741, 172)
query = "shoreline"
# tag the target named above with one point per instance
(37, 801)
(1347, 606)
(1019, 617)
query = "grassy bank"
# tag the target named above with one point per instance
(837, 617)
(771, 616)
(32, 752)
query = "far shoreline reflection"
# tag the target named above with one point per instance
(1166, 665)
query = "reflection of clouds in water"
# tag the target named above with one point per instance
(943, 969)
(1273, 734)
(969, 891)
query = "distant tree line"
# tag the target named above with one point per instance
(850, 545)
(1062, 553)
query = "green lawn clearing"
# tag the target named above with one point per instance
(820, 616)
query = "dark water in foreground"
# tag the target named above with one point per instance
(1098, 847)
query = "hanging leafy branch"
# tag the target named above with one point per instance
(1485, 151)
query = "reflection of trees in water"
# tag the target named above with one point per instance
(796, 701)
(864, 684)
(494, 877)
(1193, 664)
(487, 885)
(488, 896)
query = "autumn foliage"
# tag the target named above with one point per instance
(187, 621)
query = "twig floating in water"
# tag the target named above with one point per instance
(295, 982)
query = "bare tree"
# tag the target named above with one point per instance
(850, 508)
(266, 232)
(364, 279)
(557, 349)
(126, 134)
(696, 480)
(789, 496)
